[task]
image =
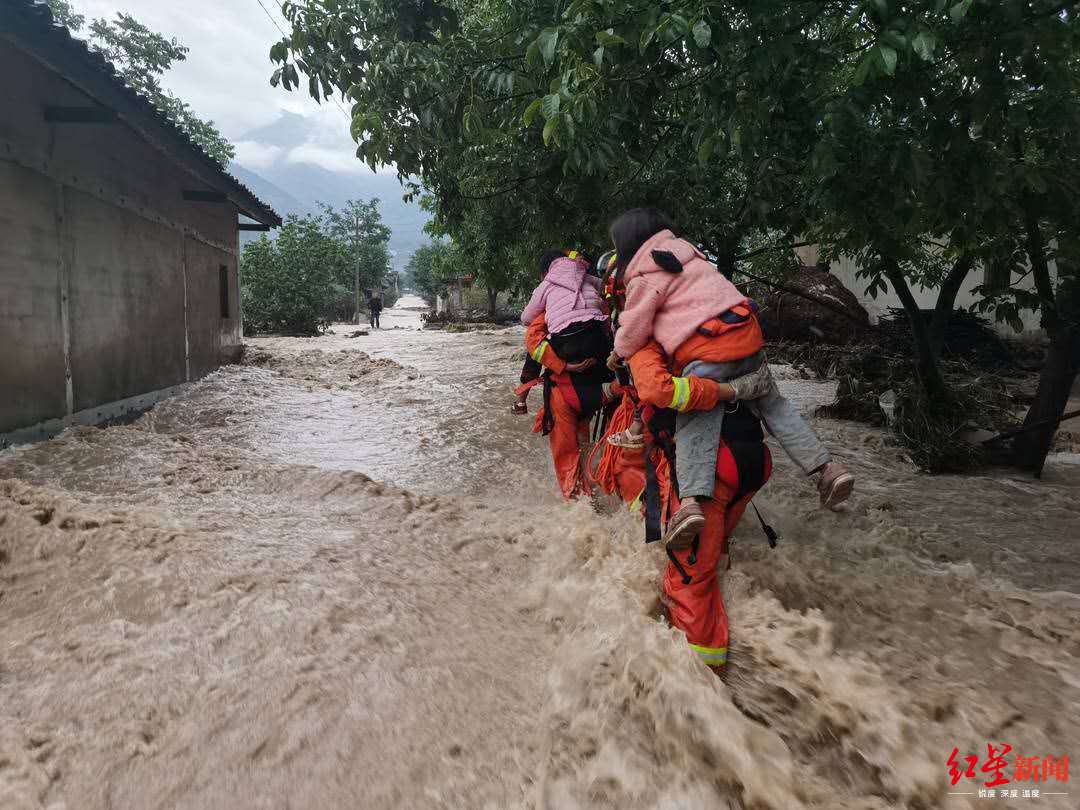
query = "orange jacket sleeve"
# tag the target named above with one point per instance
(536, 344)
(656, 386)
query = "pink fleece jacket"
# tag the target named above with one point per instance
(670, 306)
(568, 294)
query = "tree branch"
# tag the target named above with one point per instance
(946, 301)
(520, 181)
(768, 248)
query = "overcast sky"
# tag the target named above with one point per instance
(226, 77)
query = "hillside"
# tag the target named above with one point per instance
(294, 185)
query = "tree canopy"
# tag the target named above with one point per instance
(305, 278)
(923, 138)
(143, 57)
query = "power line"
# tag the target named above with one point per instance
(270, 17)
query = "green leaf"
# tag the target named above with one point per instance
(680, 23)
(609, 37)
(549, 129)
(960, 10)
(646, 37)
(550, 105)
(548, 40)
(888, 59)
(862, 72)
(924, 45)
(705, 151)
(702, 34)
(532, 111)
(532, 54)
(882, 7)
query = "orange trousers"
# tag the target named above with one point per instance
(568, 437)
(697, 607)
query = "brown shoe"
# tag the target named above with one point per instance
(835, 484)
(684, 526)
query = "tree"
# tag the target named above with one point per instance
(422, 273)
(500, 115)
(66, 16)
(359, 225)
(924, 138)
(289, 283)
(142, 57)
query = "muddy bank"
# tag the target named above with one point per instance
(325, 580)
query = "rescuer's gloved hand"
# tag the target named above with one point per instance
(753, 385)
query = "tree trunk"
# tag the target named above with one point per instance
(493, 302)
(1055, 383)
(1061, 318)
(946, 301)
(926, 358)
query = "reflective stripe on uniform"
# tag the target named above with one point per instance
(680, 397)
(636, 504)
(538, 352)
(713, 656)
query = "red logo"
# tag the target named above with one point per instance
(997, 769)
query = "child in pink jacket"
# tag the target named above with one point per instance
(708, 329)
(569, 299)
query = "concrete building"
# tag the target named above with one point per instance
(118, 239)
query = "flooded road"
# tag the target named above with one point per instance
(339, 576)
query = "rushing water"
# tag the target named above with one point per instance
(339, 576)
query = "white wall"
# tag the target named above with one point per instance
(846, 269)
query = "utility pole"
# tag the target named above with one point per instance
(356, 247)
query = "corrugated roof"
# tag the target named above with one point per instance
(60, 38)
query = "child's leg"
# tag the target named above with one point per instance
(793, 432)
(697, 434)
(530, 370)
(780, 417)
(834, 482)
(697, 441)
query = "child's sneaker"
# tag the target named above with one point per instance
(834, 484)
(627, 440)
(684, 526)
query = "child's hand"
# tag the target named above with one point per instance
(614, 362)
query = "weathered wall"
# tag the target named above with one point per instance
(211, 337)
(95, 237)
(127, 303)
(32, 386)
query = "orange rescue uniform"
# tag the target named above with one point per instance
(695, 607)
(570, 433)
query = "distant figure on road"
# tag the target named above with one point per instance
(375, 307)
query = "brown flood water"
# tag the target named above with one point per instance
(338, 576)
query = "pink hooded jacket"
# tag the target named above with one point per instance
(568, 294)
(670, 306)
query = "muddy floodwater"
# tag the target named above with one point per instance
(339, 576)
